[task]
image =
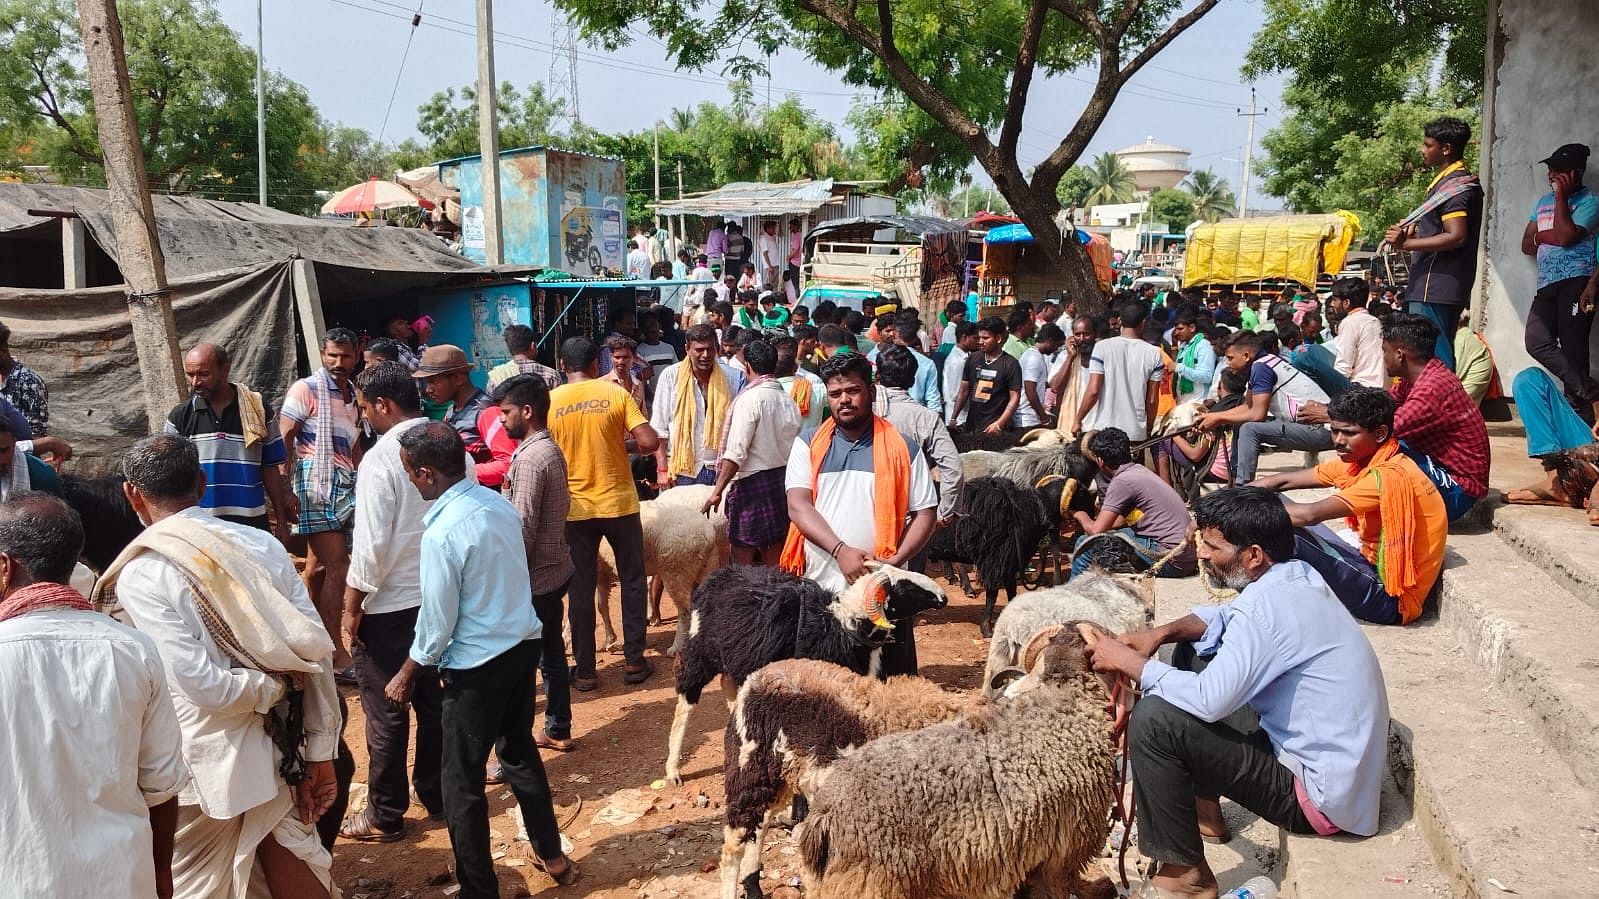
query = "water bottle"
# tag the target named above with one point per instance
(1260, 887)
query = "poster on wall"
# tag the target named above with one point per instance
(472, 233)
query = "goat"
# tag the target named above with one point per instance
(746, 617)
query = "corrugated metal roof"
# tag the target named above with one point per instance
(745, 199)
(533, 149)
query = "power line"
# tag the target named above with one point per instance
(416, 20)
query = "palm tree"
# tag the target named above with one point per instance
(1111, 182)
(1213, 199)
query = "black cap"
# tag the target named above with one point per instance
(1568, 157)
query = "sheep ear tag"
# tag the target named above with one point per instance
(875, 600)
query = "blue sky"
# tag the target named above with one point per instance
(348, 53)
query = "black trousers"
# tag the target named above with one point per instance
(626, 536)
(1176, 757)
(387, 637)
(491, 707)
(1557, 337)
(552, 663)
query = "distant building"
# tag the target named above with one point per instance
(1155, 166)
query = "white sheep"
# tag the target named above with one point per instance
(1011, 794)
(681, 547)
(1117, 603)
(796, 715)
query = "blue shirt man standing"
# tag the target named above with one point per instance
(478, 626)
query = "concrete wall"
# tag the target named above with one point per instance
(1542, 78)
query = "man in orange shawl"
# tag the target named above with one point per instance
(1394, 513)
(857, 490)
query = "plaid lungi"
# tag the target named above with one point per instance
(757, 509)
(318, 517)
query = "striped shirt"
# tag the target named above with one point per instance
(234, 489)
(299, 406)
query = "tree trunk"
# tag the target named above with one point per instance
(1067, 258)
(132, 217)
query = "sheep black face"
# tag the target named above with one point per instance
(911, 596)
(644, 478)
(1079, 475)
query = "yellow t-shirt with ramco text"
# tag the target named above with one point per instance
(589, 421)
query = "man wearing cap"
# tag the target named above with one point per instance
(446, 376)
(1560, 234)
(1441, 234)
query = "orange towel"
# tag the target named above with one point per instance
(891, 500)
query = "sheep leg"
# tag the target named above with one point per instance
(965, 578)
(734, 842)
(990, 596)
(602, 609)
(674, 749)
(681, 590)
(657, 587)
(749, 869)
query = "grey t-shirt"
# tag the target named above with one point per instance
(1164, 519)
(1128, 366)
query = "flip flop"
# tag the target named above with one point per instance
(1542, 496)
(565, 878)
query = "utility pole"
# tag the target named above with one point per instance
(1249, 151)
(657, 174)
(488, 134)
(682, 225)
(155, 336)
(260, 99)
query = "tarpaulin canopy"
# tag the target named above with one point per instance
(1098, 248)
(905, 226)
(1284, 247)
(200, 236)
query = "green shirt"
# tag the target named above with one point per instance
(1016, 347)
(1248, 318)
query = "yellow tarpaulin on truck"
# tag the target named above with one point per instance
(1291, 247)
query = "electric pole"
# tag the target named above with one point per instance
(682, 226)
(155, 337)
(657, 174)
(1249, 151)
(260, 99)
(488, 134)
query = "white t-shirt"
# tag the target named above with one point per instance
(844, 497)
(1035, 368)
(768, 255)
(954, 373)
(1129, 366)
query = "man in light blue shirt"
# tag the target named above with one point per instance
(478, 626)
(901, 328)
(1287, 649)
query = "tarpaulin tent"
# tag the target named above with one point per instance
(1011, 271)
(1284, 247)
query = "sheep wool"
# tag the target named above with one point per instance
(1011, 794)
(998, 527)
(796, 715)
(1111, 601)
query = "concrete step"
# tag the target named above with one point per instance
(1495, 803)
(1397, 862)
(1531, 637)
(1559, 541)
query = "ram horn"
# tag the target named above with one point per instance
(1035, 644)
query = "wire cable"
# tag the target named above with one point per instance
(416, 20)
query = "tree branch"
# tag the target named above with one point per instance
(51, 107)
(1177, 27)
(1124, 21)
(1021, 79)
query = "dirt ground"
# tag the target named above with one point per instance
(674, 848)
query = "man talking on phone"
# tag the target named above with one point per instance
(1560, 233)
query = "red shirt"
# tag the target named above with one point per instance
(501, 446)
(1438, 418)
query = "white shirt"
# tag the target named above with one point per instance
(954, 373)
(666, 403)
(770, 255)
(1035, 368)
(844, 497)
(1359, 356)
(90, 745)
(1129, 366)
(220, 706)
(386, 551)
(760, 435)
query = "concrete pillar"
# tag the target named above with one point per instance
(308, 310)
(74, 254)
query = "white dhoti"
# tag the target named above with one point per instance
(215, 859)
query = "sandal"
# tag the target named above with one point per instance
(1539, 496)
(559, 744)
(566, 878)
(361, 828)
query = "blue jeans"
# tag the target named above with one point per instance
(1281, 434)
(706, 476)
(1317, 362)
(1145, 548)
(1447, 317)
(1457, 501)
(1352, 579)
(1551, 424)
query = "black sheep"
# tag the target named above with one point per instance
(743, 618)
(998, 527)
(109, 522)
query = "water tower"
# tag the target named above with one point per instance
(1155, 166)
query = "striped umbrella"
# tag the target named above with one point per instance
(369, 196)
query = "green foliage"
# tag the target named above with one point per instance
(1364, 76)
(1074, 187)
(1172, 206)
(448, 121)
(193, 85)
(967, 201)
(1110, 181)
(1213, 199)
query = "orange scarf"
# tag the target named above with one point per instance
(891, 500)
(800, 392)
(1399, 486)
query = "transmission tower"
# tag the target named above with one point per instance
(563, 67)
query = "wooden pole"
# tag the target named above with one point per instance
(155, 334)
(488, 134)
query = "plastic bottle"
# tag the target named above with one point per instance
(1260, 887)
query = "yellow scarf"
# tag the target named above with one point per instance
(800, 393)
(681, 460)
(252, 415)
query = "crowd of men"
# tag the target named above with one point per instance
(452, 530)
